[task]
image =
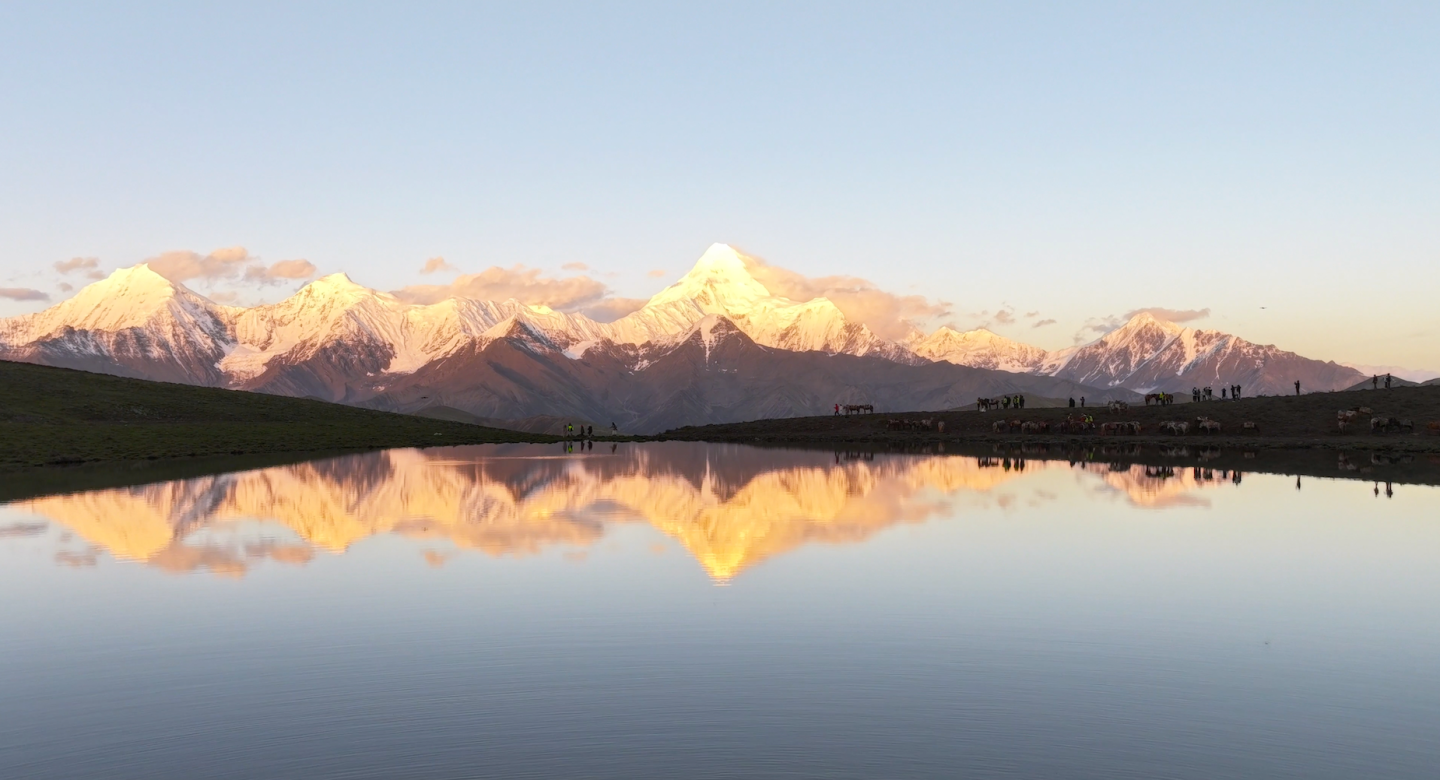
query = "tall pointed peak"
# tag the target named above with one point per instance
(1144, 319)
(720, 281)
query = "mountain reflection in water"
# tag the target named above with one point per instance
(729, 506)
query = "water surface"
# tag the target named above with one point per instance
(690, 610)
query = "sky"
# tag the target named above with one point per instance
(1270, 170)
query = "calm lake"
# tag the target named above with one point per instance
(706, 611)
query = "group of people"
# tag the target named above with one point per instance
(1232, 392)
(1082, 402)
(1016, 401)
(1375, 382)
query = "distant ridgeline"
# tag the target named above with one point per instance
(716, 346)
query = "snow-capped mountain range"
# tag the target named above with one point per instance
(717, 327)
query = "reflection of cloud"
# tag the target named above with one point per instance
(729, 509)
(77, 560)
(728, 519)
(523, 284)
(1151, 487)
(22, 529)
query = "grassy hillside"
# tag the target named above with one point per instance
(51, 416)
(1284, 421)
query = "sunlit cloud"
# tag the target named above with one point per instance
(437, 264)
(612, 309)
(282, 270)
(23, 294)
(656, 273)
(184, 265)
(888, 315)
(90, 265)
(526, 285)
(575, 267)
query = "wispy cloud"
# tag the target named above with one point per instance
(437, 264)
(90, 265)
(283, 270)
(526, 285)
(1043, 323)
(23, 294)
(656, 273)
(574, 267)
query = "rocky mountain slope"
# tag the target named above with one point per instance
(1148, 354)
(715, 346)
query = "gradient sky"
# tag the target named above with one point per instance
(1074, 162)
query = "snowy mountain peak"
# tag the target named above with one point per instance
(980, 348)
(337, 284)
(719, 283)
(1144, 320)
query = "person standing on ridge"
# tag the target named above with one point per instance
(1387, 381)
(1297, 392)
(1375, 382)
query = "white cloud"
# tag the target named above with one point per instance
(888, 315)
(523, 284)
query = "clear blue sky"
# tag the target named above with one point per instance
(1074, 161)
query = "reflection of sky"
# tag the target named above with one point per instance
(1042, 621)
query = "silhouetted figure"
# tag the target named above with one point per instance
(1297, 481)
(612, 448)
(1222, 393)
(1297, 387)
(1389, 491)
(837, 410)
(1375, 385)
(1072, 402)
(1387, 381)
(613, 428)
(1082, 402)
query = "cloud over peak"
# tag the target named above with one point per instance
(888, 315)
(526, 285)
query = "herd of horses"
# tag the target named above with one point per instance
(1347, 417)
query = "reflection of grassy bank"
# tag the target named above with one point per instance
(1371, 465)
(1286, 422)
(54, 416)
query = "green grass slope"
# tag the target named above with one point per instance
(51, 416)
